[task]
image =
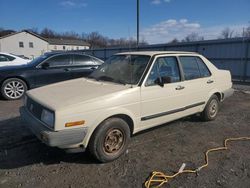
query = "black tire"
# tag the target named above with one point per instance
(101, 144)
(13, 89)
(211, 110)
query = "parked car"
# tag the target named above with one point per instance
(46, 69)
(129, 93)
(7, 59)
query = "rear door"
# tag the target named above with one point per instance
(58, 70)
(198, 81)
(83, 65)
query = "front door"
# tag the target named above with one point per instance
(161, 104)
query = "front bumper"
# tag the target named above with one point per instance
(227, 93)
(59, 139)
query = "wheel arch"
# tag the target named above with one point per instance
(19, 77)
(127, 118)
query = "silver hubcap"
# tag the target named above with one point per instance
(213, 108)
(14, 89)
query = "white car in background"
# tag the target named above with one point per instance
(7, 59)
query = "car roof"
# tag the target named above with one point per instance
(152, 53)
(70, 53)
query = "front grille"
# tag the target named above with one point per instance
(34, 108)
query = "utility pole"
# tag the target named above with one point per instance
(138, 23)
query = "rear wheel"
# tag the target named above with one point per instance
(110, 140)
(13, 88)
(211, 110)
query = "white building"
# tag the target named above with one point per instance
(32, 45)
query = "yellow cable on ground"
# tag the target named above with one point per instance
(157, 179)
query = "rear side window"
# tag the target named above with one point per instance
(59, 60)
(6, 58)
(193, 68)
(203, 68)
(83, 60)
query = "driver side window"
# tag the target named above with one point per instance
(166, 69)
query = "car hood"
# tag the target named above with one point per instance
(60, 95)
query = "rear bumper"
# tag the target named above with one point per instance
(59, 139)
(227, 93)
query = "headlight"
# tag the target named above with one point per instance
(48, 118)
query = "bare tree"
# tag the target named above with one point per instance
(95, 39)
(174, 41)
(70, 35)
(246, 32)
(48, 33)
(34, 30)
(193, 37)
(4, 32)
(227, 33)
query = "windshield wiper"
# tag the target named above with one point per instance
(120, 82)
(105, 78)
(110, 79)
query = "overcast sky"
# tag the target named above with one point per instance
(161, 20)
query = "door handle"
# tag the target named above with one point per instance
(179, 87)
(67, 69)
(210, 81)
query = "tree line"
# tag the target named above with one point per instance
(226, 33)
(97, 40)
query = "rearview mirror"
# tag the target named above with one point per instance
(45, 65)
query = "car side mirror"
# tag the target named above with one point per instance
(166, 79)
(159, 82)
(163, 80)
(45, 65)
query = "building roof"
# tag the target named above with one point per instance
(53, 41)
(151, 53)
(76, 42)
(26, 31)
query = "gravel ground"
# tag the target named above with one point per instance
(26, 162)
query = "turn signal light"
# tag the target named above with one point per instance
(76, 123)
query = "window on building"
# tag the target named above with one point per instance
(77, 48)
(31, 45)
(21, 45)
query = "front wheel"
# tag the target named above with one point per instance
(13, 88)
(211, 110)
(110, 140)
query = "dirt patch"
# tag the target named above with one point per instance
(26, 162)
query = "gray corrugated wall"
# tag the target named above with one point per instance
(230, 54)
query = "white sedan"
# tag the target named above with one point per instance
(7, 59)
(128, 93)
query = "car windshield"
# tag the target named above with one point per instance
(123, 69)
